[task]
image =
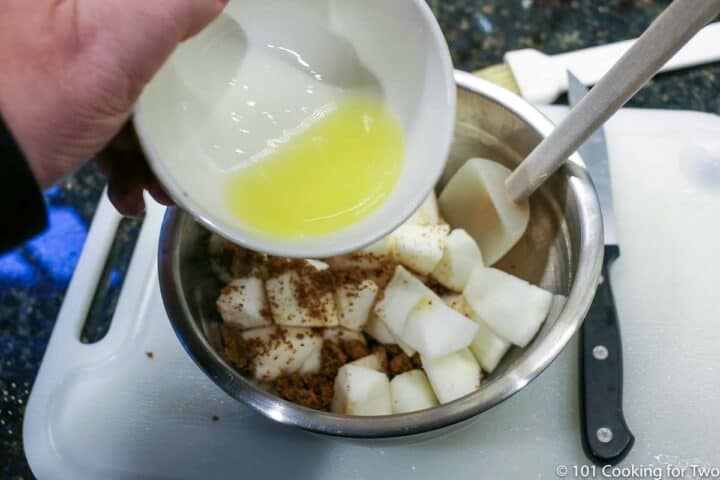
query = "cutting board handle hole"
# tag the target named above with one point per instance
(107, 291)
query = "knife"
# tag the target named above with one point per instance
(605, 434)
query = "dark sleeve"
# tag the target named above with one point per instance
(22, 206)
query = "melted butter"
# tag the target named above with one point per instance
(334, 173)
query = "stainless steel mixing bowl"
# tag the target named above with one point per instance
(561, 251)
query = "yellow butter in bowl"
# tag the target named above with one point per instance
(333, 174)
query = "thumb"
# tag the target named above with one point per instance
(194, 15)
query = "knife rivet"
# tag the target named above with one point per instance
(600, 352)
(604, 435)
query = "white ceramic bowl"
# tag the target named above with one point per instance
(398, 42)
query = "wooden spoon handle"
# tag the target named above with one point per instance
(667, 34)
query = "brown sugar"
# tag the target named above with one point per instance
(400, 363)
(355, 349)
(309, 390)
(436, 286)
(416, 361)
(333, 358)
(236, 350)
(314, 290)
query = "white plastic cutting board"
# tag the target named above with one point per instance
(107, 411)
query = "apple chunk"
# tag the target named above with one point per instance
(488, 348)
(372, 256)
(354, 303)
(374, 361)
(411, 391)
(427, 214)
(299, 298)
(340, 334)
(476, 200)
(399, 297)
(407, 349)
(281, 351)
(377, 329)
(513, 308)
(313, 363)
(361, 391)
(453, 376)
(243, 302)
(420, 247)
(434, 329)
(461, 254)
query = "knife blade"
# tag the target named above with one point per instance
(605, 434)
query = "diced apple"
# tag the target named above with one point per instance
(316, 308)
(313, 363)
(361, 391)
(420, 247)
(453, 376)
(372, 256)
(476, 200)
(383, 248)
(399, 297)
(317, 264)
(457, 302)
(377, 329)
(283, 350)
(374, 361)
(511, 307)
(411, 391)
(340, 334)
(461, 254)
(435, 330)
(487, 347)
(427, 214)
(354, 302)
(243, 302)
(406, 348)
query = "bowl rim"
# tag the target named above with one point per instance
(578, 302)
(319, 246)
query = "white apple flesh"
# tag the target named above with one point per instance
(243, 302)
(361, 391)
(354, 303)
(340, 334)
(284, 350)
(399, 297)
(411, 392)
(513, 308)
(435, 330)
(420, 247)
(427, 214)
(313, 363)
(374, 361)
(377, 329)
(461, 254)
(289, 310)
(406, 348)
(488, 348)
(453, 376)
(372, 256)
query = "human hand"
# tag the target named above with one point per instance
(71, 72)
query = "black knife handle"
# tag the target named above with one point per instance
(606, 437)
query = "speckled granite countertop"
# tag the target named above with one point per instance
(33, 279)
